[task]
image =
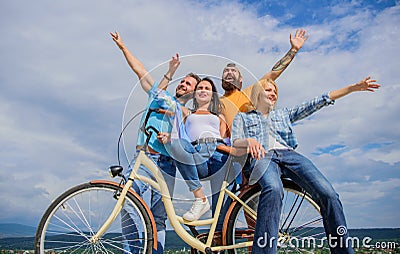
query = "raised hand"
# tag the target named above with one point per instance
(297, 41)
(366, 84)
(174, 63)
(117, 39)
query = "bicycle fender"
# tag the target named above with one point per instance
(131, 191)
(228, 213)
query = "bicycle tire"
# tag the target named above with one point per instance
(77, 214)
(300, 220)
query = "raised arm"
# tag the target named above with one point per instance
(307, 108)
(297, 41)
(173, 66)
(146, 80)
(366, 84)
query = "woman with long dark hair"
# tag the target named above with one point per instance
(198, 158)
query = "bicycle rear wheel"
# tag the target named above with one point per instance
(76, 215)
(300, 222)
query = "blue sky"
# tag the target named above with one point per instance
(303, 13)
(65, 88)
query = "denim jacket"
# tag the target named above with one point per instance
(253, 125)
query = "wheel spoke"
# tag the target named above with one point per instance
(74, 217)
(300, 218)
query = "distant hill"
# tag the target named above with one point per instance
(17, 243)
(377, 234)
(16, 230)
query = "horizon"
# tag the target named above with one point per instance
(170, 229)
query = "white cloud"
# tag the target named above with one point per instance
(363, 202)
(362, 195)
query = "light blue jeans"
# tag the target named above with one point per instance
(128, 216)
(302, 171)
(203, 162)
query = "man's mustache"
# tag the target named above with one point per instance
(180, 86)
(229, 76)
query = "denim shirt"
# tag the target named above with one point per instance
(279, 121)
(159, 99)
(251, 124)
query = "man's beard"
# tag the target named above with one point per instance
(227, 86)
(231, 85)
(184, 97)
(178, 95)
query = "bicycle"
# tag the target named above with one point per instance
(87, 218)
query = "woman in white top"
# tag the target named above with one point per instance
(198, 158)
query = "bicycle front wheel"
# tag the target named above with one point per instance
(300, 221)
(75, 216)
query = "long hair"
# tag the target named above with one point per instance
(215, 106)
(257, 89)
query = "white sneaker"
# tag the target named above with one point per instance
(199, 208)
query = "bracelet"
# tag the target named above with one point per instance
(165, 76)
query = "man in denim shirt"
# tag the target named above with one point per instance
(268, 136)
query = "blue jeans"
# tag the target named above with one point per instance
(167, 166)
(201, 161)
(288, 163)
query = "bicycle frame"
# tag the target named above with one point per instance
(175, 220)
(198, 242)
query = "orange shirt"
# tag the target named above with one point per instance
(234, 103)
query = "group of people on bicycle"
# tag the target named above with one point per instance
(249, 122)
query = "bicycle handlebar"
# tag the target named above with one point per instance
(155, 110)
(146, 129)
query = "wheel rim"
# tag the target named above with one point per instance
(78, 216)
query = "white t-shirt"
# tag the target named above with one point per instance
(202, 126)
(274, 144)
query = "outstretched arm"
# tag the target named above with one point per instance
(297, 41)
(307, 108)
(146, 80)
(173, 66)
(366, 84)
